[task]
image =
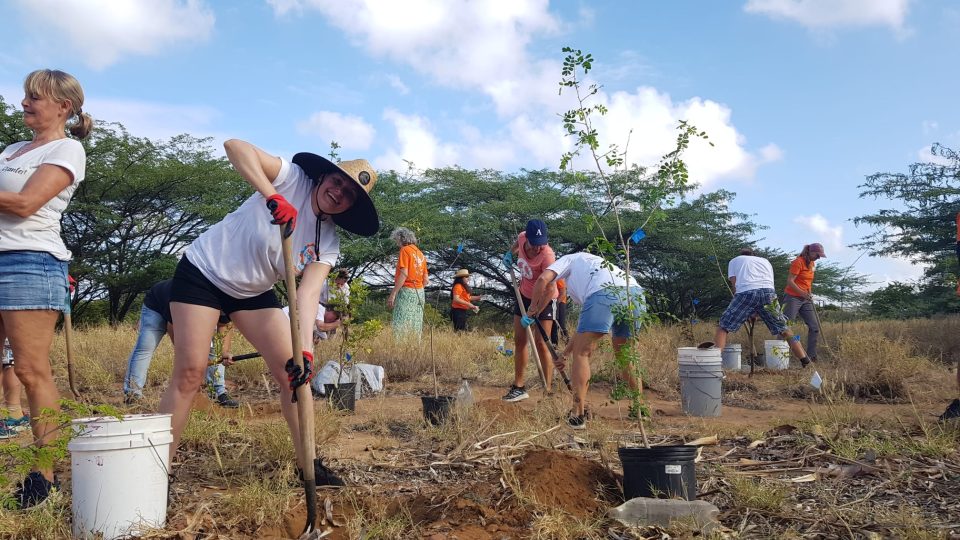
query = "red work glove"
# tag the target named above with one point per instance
(283, 213)
(298, 377)
(73, 283)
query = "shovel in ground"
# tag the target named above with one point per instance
(304, 398)
(553, 353)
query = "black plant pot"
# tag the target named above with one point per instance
(665, 472)
(436, 410)
(343, 397)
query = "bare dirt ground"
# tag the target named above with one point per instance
(513, 471)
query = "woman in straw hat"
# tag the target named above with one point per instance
(461, 300)
(233, 266)
(37, 179)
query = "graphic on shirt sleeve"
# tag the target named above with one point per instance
(307, 255)
(525, 269)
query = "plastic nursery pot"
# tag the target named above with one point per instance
(665, 472)
(343, 397)
(436, 410)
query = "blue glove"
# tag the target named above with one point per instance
(526, 321)
(508, 259)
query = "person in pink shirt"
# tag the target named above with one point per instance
(533, 256)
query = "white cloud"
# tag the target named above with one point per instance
(103, 31)
(482, 46)
(826, 14)
(397, 84)
(831, 236)
(350, 132)
(417, 144)
(475, 44)
(926, 155)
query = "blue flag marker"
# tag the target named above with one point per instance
(712, 258)
(637, 236)
(694, 321)
(696, 301)
(460, 247)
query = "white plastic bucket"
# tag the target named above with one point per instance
(776, 354)
(701, 381)
(119, 475)
(731, 356)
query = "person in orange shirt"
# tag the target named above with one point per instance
(461, 300)
(407, 299)
(798, 298)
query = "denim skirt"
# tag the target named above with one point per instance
(32, 280)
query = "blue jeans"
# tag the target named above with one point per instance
(215, 376)
(152, 330)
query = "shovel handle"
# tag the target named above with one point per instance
(553, 352)
(304, 398)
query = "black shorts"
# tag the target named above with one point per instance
(190, 286)
(549, 312)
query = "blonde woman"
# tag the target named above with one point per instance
(37, 179)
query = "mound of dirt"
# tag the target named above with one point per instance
(477, 511)
(575, 484)
(502, 409)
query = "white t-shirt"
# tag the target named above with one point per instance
(321, 311)
(586, 274)
(751, 273)
(242, 255)
(41, 231)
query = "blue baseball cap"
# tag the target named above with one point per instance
(537, 232)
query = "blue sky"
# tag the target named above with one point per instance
(802, 98)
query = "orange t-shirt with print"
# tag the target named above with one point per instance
(804, 273)
(415, 263)
(459, 291)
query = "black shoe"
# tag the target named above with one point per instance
(953, 411)
(576, 422)
(516, 393)
(225, 401)
(34, 490)
(804, 362)
(323, 475)
(132, 399)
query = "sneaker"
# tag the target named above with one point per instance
(576, 422)
(323, 475)
(132, 399)
(225, 401)
(7, 433)
(516, 393)
(953, 411)
(17, 424)
(34, 490)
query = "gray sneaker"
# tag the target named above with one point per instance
(516, 393)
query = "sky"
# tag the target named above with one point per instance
(801, 98)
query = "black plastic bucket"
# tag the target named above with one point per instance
(436, 410)
(665, 472)
(343, 397)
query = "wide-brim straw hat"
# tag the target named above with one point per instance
(361, 218)
(463, 272)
